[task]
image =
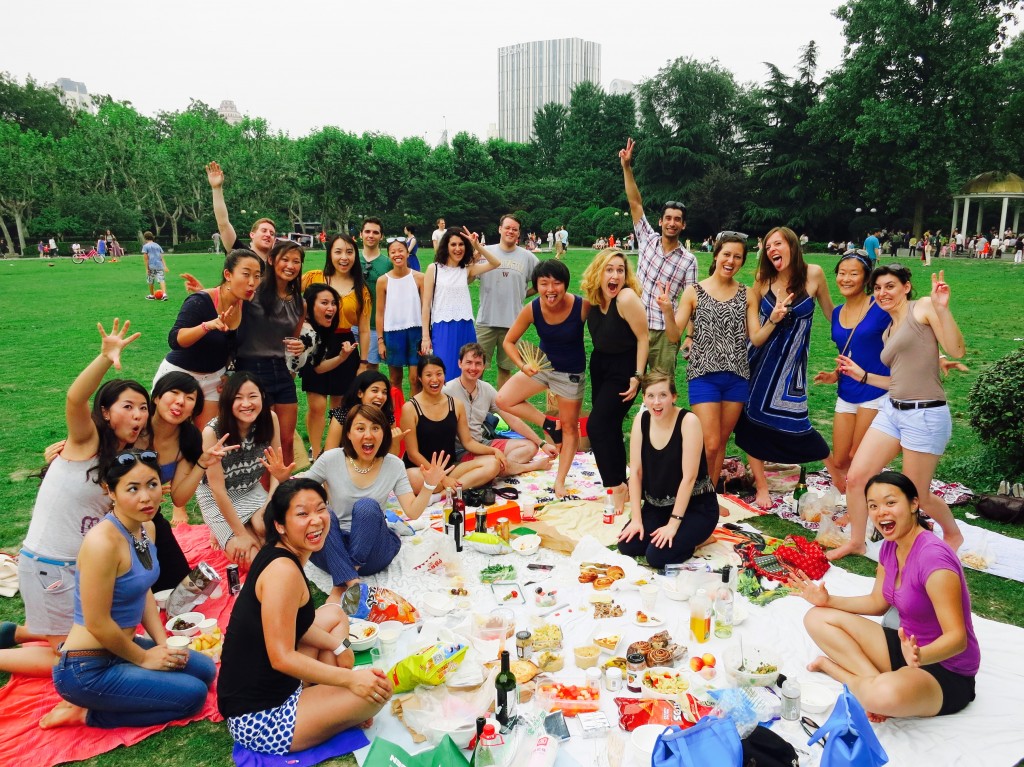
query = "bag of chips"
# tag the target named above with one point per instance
(429, 666)
(378, 604)
(634, 712)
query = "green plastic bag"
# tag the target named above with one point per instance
(384, 753)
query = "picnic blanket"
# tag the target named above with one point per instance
(25, 700)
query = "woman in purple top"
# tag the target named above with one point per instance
(927, 667)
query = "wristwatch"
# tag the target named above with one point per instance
(345, 644)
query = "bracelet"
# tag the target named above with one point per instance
(431, 488)
(677, 516)
(203, 326)
(864, 378)
(364, 362)
(772, 321)
(200, 465)
(637, 375)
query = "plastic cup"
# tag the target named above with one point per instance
(389, 632)
(377, 659)
(649, 596)
(207, 626)
(178, 643)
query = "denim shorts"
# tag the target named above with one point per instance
(369, 349)
(273, 374)
(842, 406)
(49, 593)
(926, 430)
(270, 731)
(403, 346)
(718, 387)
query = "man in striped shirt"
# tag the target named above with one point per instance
(663, 261)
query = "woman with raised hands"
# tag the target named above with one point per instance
(447, 305)
(927, 666)
(108, 676)
(71, 501)
(287, 681)
(914, 418)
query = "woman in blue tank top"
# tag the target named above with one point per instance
(559, 317)
(107, 676)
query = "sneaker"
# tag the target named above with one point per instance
(151, 297)
(164, 298)
(1004, 488)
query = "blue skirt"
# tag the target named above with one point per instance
(447, 338)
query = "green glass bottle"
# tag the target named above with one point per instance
(507, 701)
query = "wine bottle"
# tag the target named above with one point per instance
(507, 701)
(800, 490)
(457, 519)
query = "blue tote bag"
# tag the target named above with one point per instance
(712, 741)
(851, 741)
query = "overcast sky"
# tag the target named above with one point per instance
(404, 68)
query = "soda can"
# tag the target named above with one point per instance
(234, 581)
(503, 529)
(481, 521)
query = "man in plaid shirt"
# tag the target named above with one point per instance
(663, 261)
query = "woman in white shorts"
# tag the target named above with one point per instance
(914, 417)
(559, 317)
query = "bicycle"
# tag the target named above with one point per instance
(81, 256)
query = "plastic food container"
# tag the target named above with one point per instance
(567, 698)
(587, 655)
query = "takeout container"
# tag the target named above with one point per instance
(642, 740)
(161, 598)
(753, 657)
(526, 545)
(649, 692)
(548, 700)
(816, 698)
(194, 618)
(437, 605)
(362, 634)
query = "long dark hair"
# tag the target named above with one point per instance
(721, 242)
(262, 430)
(901, 482)
(310, 296)
(441, 256)
(362, 382)
(281, 501)
(232, 259)
(266, 293)
(766, 270)
(190, 439)
(358, 278)
(104, 399)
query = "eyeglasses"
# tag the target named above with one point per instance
(129, 458)
(810, 727)
(730, 233)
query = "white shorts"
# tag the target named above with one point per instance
(48, 589)
(926, 430)
(842, 406)
(208, 382)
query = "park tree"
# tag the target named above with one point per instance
(333, 174)
(34, 107)
(911, 98)
(548, 130)
(1007, 148)
(26, 173)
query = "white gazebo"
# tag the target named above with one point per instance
(985, 188)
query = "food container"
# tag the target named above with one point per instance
(570, 699)
(526, 544)
(547, 636)
(190, 618)
(587, 655)
(362, 634)
(755, 659)
(207, 626)
(816, 698)
(524, 645)
(437, 604)
(664, 683)
(161, 598)
(642, 740)
(550, 662)
(608, 640)
(390, 631)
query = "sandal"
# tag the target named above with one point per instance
(552, 429)
(508, 493)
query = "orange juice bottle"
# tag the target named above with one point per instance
(700, 616)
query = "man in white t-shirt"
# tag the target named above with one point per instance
(551, 240)
(438, 233)
(502, 292)
(479, 399)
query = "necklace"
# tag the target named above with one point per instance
(356, 468)
(140, 544)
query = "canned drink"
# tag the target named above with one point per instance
(234, 581)
(481, 521)
(503, 529)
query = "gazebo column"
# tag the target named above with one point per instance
(956, 210)
(1002, 217)
(1016, 220)
(981, 211)
(967, 209)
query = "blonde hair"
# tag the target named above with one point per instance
(590, 284)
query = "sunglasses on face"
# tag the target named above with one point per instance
(129, 458)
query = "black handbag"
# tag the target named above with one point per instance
(1001, 508)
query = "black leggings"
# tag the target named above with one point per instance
(698, 524)
(609, 376)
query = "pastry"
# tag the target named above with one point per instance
(658, 656)
(639, 647)
(615, 573)
(588, 576)
(603, 583)
(641, 617)
(661, 639)
(608, 641)
(607, 610)
(523, 670)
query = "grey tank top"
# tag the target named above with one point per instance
(67, 506)
(719, 335)
(912, 354)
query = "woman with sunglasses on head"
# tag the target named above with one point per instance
(287, 681)
(927, 666)
(343, 272)
(231, 493)
(447, 304)
(914, 418)
(724, 317)
(360, 476)
(325, 352)
(371, 387)
(269, 329)
(107, 675)
(70, 501)
(857, 327)
(775, 425)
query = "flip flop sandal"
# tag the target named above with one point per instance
(551, 429)
(509, 493)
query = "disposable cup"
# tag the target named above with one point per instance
(178, 643)
(389, 632)
(649, 595)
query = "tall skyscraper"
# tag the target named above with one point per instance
(531, 75)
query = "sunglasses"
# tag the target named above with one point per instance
(674, 204)
(129, 458)
(900, 268)
(810, 727)
(730, 233)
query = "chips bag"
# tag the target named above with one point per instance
(485, 543)
(378, 604)
(429, 666)
(634, 712)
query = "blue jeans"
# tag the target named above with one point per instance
(118, 693)
(369, 545)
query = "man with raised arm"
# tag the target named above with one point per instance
(480, 399)
(662, 261)
(502, 292)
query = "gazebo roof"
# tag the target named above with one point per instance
(994, 183)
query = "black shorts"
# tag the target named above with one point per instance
(273, 374)
(957, 689)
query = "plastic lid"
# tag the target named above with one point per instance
(488, 731)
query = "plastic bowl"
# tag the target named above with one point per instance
(161, 598)
(461, 733)
(650, 692)
(526, 545)
(362, 634)
(816, 698)
(753, 657)
(670, 590)
(194, 618)
(642, 741)
(437, 604)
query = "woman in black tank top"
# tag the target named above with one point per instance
(431, 421)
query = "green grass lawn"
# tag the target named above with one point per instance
(48, 334)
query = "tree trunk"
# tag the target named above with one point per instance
(918, 227)
(7, 234)
(20, 224)
(174, 231)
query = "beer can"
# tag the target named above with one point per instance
(234, 581)
(503, 529)
(481, 521)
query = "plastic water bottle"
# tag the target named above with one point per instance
(724, 608)
(791, 700)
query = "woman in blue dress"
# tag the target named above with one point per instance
(775, 425)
